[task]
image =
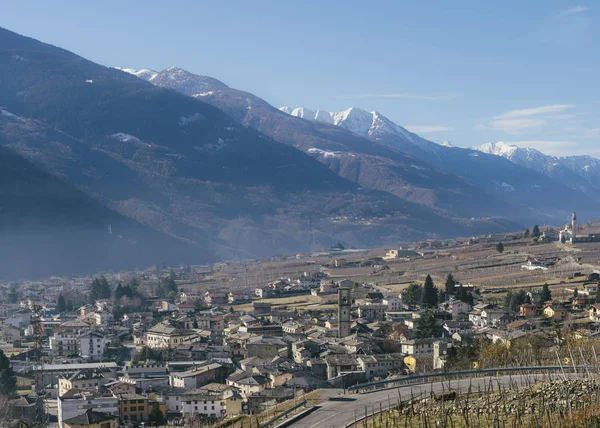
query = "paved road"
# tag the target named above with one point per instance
(337, 414)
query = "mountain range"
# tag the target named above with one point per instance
(193, 174)
(578, 172)
(199, 171)
(374, 152)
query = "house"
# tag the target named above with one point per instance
(248, 383)
(594, 312)
(589, 289)
(76, 402)
(133, 408)
(167, 336)
(555, 312)
(216, 298)
(457, 326)
(218, 404)
(390, 254)
(84, 379)
(578, 302)
(92, 419)
(494, 317)
(197, 377)
(380, 365)
(103, 318)
(394, 304)
(264, 346)
(534, 264)
(91, 345)
(527, 310)
(374, 312)
(341, 363)
(418, 346)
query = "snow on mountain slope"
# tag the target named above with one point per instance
(576, 171)
(179, 80)
(372, 125)
(143, 73)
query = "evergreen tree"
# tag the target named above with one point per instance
(13, 295)
(441, 297)
(563, 239)
(427, 325)
(450, 283)
(536, 231)
(119, 291)
(134, 284)
(464, 296)
(575, 292)
(8, 381)
(500, 247)
(156, 416)
(527, 233)
(546, 295)
(100, 289)
(61, 305)
(412, 294)
(429, 296)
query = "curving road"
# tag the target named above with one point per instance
(338, 414)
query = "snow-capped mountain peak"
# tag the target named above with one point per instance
(370, 124)
(143, 73)
(499, 149)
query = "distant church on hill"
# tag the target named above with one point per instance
(569, 233)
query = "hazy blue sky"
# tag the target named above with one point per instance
(466, 71)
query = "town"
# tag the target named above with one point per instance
(255, 342)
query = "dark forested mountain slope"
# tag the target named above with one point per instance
(50, 227)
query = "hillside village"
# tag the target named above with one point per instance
(206, 344)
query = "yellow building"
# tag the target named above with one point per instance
(92, 419)
(555, 312)
(133, 407)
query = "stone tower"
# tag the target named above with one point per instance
(573, 227)
(344, 307)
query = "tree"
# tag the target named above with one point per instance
(536, 231)
(563, 239)
(61, 305)
(427, 325)
(100, 289)
(429, 296)
(527, 233)
(500, 247)
(13, 295)
(464, 296)
(546, 295)
(231, 310)
(8, 380)
(412, 294)
(575, 292)
(514, 300)
(450, 283)
(156, 416)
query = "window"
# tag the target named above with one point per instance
(204, 407)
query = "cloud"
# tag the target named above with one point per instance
(536, 111)
(514, 121)
(424, 129)
(403, 95)
(572, 11)
(516, 125)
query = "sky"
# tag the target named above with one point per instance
(522, 72)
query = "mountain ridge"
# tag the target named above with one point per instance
(454, 175)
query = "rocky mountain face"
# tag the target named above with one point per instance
(371, 150)
(578, 172)
(188, 170)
